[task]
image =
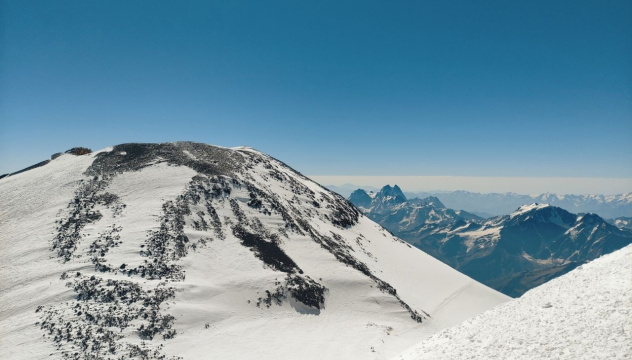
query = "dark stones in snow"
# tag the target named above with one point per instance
(90, 327)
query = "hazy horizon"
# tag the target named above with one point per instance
(481, 184)
(518, 185)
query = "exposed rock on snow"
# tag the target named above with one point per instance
(185, 250)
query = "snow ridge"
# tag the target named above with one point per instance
(584, 314)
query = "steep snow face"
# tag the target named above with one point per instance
(584, 314)
(185, 250)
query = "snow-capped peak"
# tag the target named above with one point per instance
(526, 208)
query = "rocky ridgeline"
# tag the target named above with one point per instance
(118, 301)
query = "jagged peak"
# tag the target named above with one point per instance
(394, 192)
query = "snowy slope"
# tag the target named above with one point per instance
(194, 251)
(585, 314)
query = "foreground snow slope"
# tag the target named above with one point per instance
(585, 314)
(192, 251)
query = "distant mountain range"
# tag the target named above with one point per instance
(390, 208)
(510, 253)
(607, 206)
(494, 204)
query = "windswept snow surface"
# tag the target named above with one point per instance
(585, 314)
(169, 251)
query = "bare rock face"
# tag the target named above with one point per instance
(78, 151)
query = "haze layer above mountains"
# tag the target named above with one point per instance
(494, 204)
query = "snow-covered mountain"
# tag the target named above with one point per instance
(188, 251)
(623, 222)
(390, 208)
(493, 204)
(516, 252)
(585, 314)
(511, 253)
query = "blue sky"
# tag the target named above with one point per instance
(457, 88)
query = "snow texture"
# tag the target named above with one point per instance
(585, 314)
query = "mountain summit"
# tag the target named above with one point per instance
(391, 194)
(384, 200)
(187, 251)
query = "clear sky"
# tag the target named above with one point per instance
(427, 88)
